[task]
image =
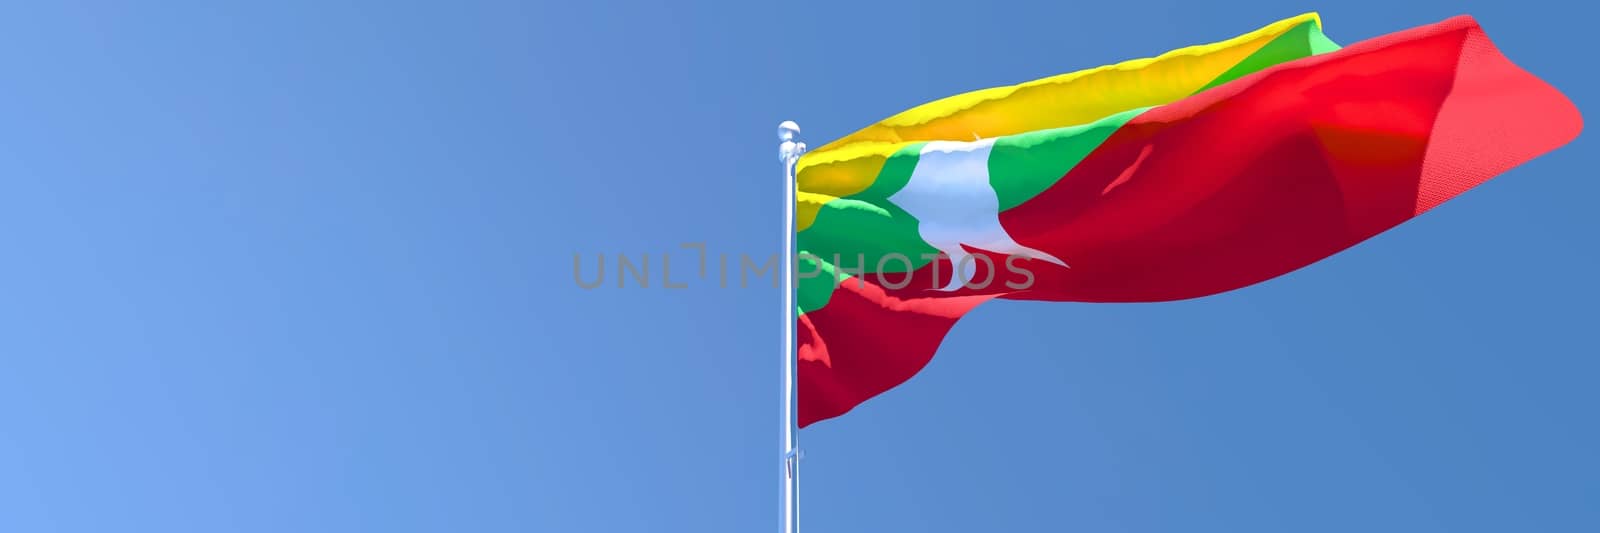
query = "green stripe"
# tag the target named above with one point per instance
(860, 230)
(812, 293)
(867, 225)
(1300, 42)
(895, 174)
(1022, 166)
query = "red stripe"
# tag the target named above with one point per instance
(1236, 185)
(866, 341)
(1286, 167)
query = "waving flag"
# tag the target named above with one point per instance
(1202, 170)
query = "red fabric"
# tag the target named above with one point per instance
(1236, 185)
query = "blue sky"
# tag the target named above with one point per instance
(303, 266)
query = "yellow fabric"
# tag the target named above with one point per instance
(848, 165)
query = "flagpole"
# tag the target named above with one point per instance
(789, 151)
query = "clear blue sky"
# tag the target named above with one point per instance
(307, 266)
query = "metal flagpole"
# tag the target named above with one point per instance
(789, 152)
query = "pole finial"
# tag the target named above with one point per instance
(790, 147)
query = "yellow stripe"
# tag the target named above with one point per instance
(848, 165)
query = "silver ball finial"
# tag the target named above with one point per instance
(790, 148)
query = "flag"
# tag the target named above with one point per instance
(1203, 170)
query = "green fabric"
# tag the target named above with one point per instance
(1022, 166)
(1302, 41)
(862, 227)
(895, 174)
(813, 292)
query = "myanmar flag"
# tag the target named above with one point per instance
(1203, 170)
